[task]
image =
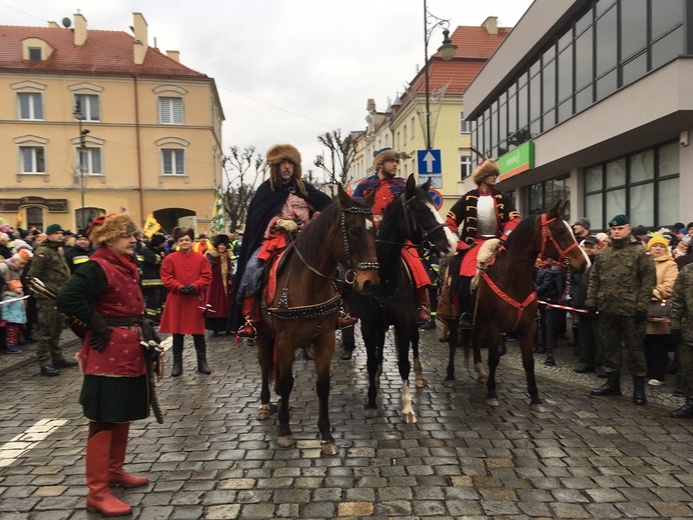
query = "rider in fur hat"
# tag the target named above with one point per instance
(479, 215)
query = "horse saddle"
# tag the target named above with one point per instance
(276, 265)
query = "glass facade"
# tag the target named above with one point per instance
(542, 196)
(641, 185)
(606, 45)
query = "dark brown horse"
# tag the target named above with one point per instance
(506, 298)
(411, 216)
(305, 308)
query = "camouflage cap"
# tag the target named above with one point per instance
(619, 220)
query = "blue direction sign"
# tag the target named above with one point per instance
(428, 162)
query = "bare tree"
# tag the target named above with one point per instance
(243, 169)
(342, 154)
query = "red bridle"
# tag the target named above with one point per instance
(547, 235)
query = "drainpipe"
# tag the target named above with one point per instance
(139, 151)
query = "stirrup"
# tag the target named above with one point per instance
(346, 320)
(466, 321)
(247, 330)
(422, 315)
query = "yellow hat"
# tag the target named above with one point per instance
(657, 239)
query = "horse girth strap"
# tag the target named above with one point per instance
(318, 310)
(509, 299)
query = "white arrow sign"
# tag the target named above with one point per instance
(429, 160)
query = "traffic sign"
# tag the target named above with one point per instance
(429, 162)
(437, 198)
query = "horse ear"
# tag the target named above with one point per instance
(554, 210)
(426, 185)
(344, 199)
(370, 198)
(411, 186)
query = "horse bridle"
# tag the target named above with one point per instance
(547, 235)
(410, 219)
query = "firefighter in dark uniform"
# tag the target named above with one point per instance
(79, 253)
(149, 261)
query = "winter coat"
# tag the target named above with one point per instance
(667, 271)
(14, 312)
(183, 313)
(49, 265)
(220, 289)
(682, 304)
(579, 282)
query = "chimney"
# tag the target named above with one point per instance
(174, 55)
(491, 25)
(140, 43)
(53, 25)
(80, 29)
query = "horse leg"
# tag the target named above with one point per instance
(479, 366)
(528, 331)
(285, 383)
(420, 380)
(453, 342)
(265, 352)
(402, 340)
(492, 335)
(324, 348)
(370, 341)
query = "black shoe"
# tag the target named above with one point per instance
(346, 354)
(65, 363)
(215, 334)
(584, 368)
(48, 370)
(429, 325)
(611, 387)
(685, 412)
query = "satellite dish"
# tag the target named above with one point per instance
(67, 22)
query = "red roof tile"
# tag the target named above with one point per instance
(104, 52)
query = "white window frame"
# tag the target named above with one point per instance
(174, 162)
(465, 164)
(87, 107)
(465, 126)
(89, 163)
(34, 159)
(34, 96)
(169, 112)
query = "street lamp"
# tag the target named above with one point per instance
(79, 116)
(446, 51)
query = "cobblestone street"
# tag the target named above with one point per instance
(583, 458)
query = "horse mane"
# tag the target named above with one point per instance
(522, 234)
(311, 240)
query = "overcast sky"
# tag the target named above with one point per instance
(286, 70)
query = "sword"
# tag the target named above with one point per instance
(153, 353)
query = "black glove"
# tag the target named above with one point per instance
(592, 313)
(100, 332)
(640, 317)
(676, 336)
(187, 289)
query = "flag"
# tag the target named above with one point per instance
(20, 218)
(151, 225)
(217, 225)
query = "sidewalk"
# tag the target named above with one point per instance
(9, 362)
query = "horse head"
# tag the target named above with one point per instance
(558, 239)
(422, 220)
(358, 233)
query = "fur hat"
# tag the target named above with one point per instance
(284, 152)
(179, 232)
(387, 154)
(221, 239)
(485, 170)
(22, 256)
(110, 227)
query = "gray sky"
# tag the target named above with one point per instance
(286, 70)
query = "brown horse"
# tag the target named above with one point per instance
(306, 305)
(506, 298)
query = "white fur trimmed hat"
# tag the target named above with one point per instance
(486, 169)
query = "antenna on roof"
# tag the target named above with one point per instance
(67, 22)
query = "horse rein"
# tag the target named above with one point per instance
(408, 225)
(547, 235)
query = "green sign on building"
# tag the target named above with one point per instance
(519, 160)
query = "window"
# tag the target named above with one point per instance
(33, 159)
(34, 218)
(85, 216)
(541, 196)
(30, 105)
(89, 106)
(465, 165)
(35, 53)
(171, 110)
(90, 161)
(464, 124)
(173, 160)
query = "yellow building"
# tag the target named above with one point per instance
(99, 122)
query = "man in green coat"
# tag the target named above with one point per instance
(682, 335)
(49, 266)
(620, 287)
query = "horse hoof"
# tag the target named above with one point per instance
(449, 383)
(264, 412)
(420, 382)
(408, 418)
(494, 402)
(329, 448)
(370, 413)
(285, 441)
(537, 407)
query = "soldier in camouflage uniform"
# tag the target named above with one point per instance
(682, 334)
(49, 266)
(620, 288)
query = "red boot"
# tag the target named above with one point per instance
(252, 318)
(346, 319)
(100, 497)
(116, 473)
(422, 314)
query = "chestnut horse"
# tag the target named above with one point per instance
(506, 299)
(409, 217)
(306, 305)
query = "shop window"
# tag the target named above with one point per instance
(34, 218)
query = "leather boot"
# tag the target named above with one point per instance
(116, 473)
(423, 315)
(685, 412)
(639, 398)
(100, 497)
(501, 345)
(201, 350)
(177, 347)
(612, 386)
